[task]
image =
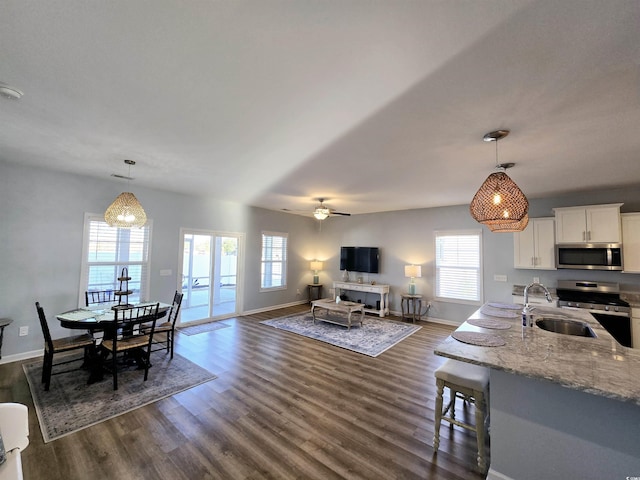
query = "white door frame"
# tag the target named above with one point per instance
(239, 271)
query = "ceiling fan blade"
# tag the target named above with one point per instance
(341, 213)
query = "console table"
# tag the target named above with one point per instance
(381, 290)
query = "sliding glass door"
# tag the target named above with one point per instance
(210, 273)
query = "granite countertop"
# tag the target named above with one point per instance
(600, 366)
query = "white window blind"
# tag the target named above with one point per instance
(107, 250)
(274, 261)
(459, 266)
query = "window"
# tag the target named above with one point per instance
(459, 266)
(107, 250)
(274, 261)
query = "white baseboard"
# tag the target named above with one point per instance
(432, 320)
(22, 356)
(273, 307)
(443, 321)
(493, 475)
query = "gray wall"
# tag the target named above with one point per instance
(408, 237)
(42, 214)
(42, 217)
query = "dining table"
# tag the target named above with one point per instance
(98, 320)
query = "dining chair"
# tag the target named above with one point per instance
(60, 345)
(168, 328)
(129, 338)
(92, 297)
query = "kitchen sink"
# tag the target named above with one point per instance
(565, 326)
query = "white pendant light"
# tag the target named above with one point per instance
(126, 211)
(499, 201)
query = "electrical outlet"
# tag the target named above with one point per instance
(24, 331)
(536, 279)
(298, 291)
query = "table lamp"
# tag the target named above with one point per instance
(315, 266)
(412, 271)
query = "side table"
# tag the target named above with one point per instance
(3, 323)
(414, 306)
(314, 291)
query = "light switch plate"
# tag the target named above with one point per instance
(165, 273)
(500, 278)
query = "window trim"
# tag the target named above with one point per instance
(145, 280)
(480, 270)
(285, 261)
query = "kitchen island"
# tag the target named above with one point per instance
(561, 406)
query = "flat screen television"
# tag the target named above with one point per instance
(360, 259)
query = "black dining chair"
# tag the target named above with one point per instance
(131, 337)
(60, 345)
(168, 329)
(92, 297)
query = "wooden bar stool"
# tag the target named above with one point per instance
(469, 383)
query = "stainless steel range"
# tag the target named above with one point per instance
(602, 300)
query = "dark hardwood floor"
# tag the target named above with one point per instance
(283, 407)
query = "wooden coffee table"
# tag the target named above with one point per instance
(343, 307)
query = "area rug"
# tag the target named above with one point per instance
(203, 327)
(375, 336)
(71, 405)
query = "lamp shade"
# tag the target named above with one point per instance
(510, 226)
(498, 201)
(125, 212)
(315, 265)
(413, 271)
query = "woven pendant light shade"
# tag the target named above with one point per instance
(125, 212)
(510, 227)
(499, 201)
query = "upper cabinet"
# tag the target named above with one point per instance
(590, 224)
(534, 247)
(631, 245)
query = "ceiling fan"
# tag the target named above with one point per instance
(322, 211)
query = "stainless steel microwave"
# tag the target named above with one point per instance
(589, 256)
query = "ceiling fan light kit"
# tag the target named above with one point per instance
(499, 202)
(321, 211)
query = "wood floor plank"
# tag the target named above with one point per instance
(283, 407)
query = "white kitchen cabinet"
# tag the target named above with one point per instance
(588, 224)
(635, 327)
(534, 247)
(631, 244)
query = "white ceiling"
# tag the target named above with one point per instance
(374, 105)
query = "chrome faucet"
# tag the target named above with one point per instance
(527, 319)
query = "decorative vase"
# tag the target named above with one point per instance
(345, 276)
